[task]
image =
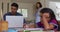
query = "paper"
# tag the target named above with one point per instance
(14, 21)
(34, 29)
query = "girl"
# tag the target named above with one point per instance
(38, 8)
(48, 20)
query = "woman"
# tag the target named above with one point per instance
(38, 8)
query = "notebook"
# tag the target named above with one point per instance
(14, 21)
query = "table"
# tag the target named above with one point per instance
(34, 30)
(24, 29)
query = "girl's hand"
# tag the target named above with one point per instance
(45, 20)
(45, 17)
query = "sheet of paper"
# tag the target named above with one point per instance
(34, 29)
(14, 21)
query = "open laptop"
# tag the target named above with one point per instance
(15, 21)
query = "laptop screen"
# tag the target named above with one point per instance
(14, 21)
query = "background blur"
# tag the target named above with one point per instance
(27, 7)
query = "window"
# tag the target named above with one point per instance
(56, 8)
(23, 11)
(19, 10)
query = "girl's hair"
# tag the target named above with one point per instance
(50, 11)
(39, 4)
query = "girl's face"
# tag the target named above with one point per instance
(38, 5)
(45, 15)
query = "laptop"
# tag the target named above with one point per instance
(15, 21)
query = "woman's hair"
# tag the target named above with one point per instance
(39, 4)
(50, 11)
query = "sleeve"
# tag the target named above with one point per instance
(54, 22)
(4, 16)
(37, 26)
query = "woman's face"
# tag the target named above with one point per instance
(38, 5)
(46, 15)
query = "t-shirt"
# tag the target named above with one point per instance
(10, 14)
(53, 21)
(38, 15)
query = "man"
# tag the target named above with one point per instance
(14, 8)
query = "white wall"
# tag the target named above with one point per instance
(55, 0)
(50, 4)
(4, 7)
(28, 6)
(22, 4)
(45, 3)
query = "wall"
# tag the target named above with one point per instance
(29, 4)
(45, 3)
(52, 5)
(4, 7)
